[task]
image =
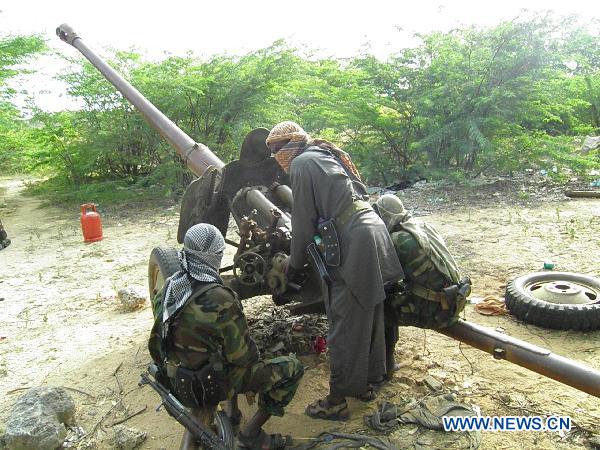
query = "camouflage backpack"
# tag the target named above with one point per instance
(434, 293)
(193, 388)
(157, 343)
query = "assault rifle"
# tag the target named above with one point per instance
(204, 436)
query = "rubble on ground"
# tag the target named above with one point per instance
(132, 298)
(528, 187)
(125, 438)
(276, 332)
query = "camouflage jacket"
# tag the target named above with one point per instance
(210, 325)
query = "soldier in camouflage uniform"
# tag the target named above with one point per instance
(433, 293)
(4, 240)
(206, 325)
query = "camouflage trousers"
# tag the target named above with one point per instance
(405, 309)
(274, 380)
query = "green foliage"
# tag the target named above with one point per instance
(60, 191)
(558, 156)
(14, 50)
(517, 95)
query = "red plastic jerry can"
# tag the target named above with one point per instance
(91, 224)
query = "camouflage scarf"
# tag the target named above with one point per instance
(292, 149)
(288, 152)
(339, 154)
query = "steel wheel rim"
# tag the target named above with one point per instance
(563, 292)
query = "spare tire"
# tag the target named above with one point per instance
(559, 300)
(164, 262)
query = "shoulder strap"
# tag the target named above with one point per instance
(353, 178)
(203, 290)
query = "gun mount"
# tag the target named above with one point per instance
(256, 192)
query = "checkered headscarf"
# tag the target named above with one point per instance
(200, 259)
(287, 131)
(299, 141)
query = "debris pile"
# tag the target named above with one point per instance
(276, 332)
(426, 413)
(528, 187)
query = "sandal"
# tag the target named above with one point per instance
(368, 396)
(381, 382)
(263, 441)
(322, 409)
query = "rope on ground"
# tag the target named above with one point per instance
(350, 441)
(491, 305)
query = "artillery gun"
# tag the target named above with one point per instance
(255, 191)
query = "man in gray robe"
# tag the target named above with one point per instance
(326, 185)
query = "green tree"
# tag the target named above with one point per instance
(14, 51)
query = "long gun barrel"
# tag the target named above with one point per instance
(534, 358)
(197, 156)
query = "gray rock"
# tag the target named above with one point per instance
(132, 298)
(37, 420)
(125, 438)
(432, 383)
(590, 143)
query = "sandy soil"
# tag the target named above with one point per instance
(60, 323)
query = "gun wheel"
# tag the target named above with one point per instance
(560, 300)
(164, 262)
(250, 269)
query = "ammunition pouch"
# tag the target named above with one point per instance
(330, 243)
(457, 293)
(415, 305)
(464, 290)
(199, 388)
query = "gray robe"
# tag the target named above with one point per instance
(321, 189)
(356, 340)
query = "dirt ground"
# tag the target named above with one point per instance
(60, 322)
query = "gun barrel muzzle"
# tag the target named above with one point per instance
(66, 33)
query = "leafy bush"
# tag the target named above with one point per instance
(507, 97)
